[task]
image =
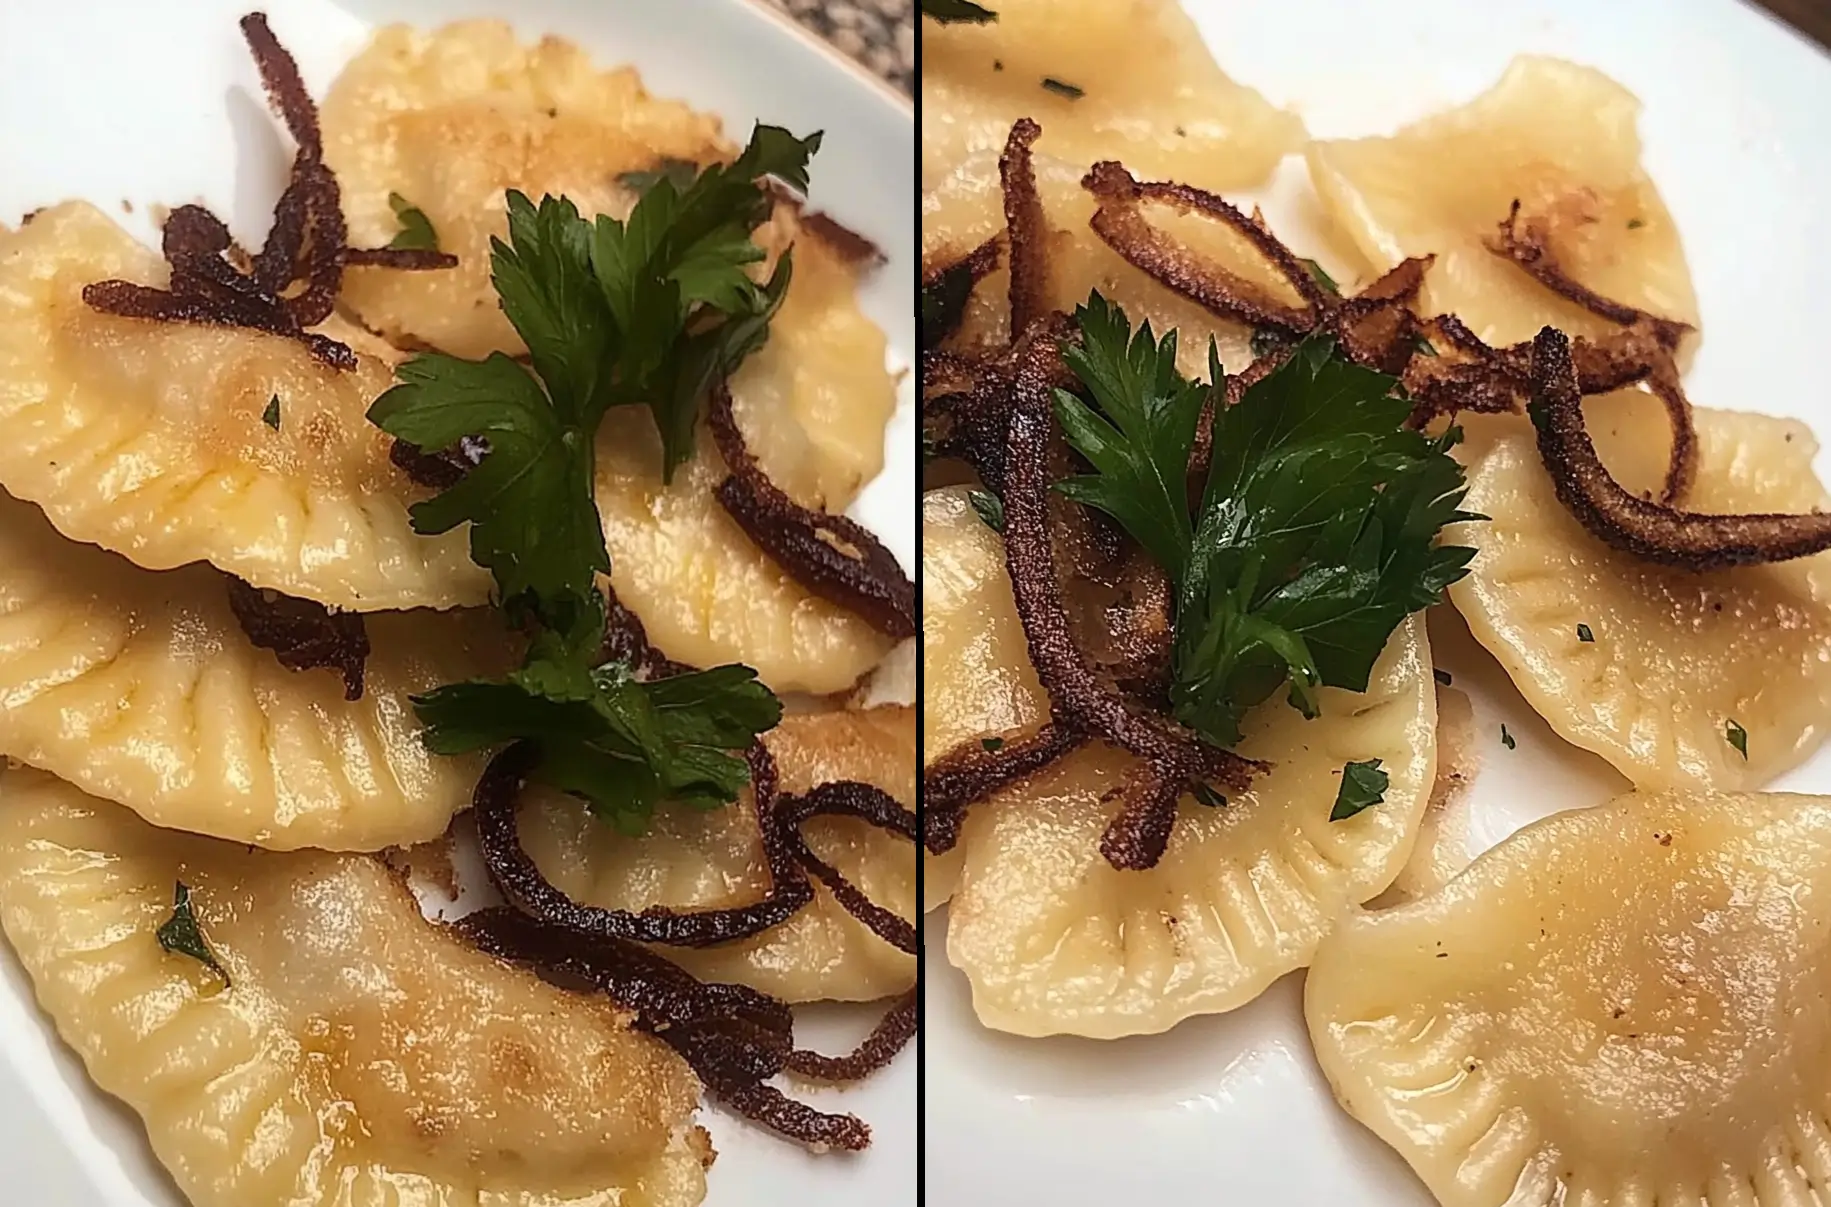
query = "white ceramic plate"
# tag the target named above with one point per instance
(156, 101)
(1231, 1111)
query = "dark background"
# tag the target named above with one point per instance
(1811, 17)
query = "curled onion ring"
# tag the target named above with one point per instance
(1640, 527)
(833, 556)
(293, 281)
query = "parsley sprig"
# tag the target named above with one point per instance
(1316, 531)
(622, 745)
(646, 310)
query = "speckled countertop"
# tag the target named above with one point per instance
(878, 33)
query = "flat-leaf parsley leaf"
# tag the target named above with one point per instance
(1136, 431)
(622, 745)
(528, 501)
(683, 253)
(680, 171)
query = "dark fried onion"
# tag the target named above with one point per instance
(1468, 375)
(626, 641)
(291, 284)
(967, 415)
(970, 773)
(849, 798)
(521, 882)
(732, 1036)
(1528, 244)
(833, 556)
(1640, 527)
(1121, 223)
(945, 290)
(851, 247)
(441, 469)
(302, 633)
(892, 1033)
(769, 1106)
(1378, 328)
(1681, 464)
(1026, 227)
(409, 259)
(1172, 757)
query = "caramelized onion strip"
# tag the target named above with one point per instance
(293, 281)
(833, 556)
(1026, 227)
(1640, 527)
(1377, 327)
(1498, 380)
(765, 1104)
(411, 259)
(626, 640)
(945, 290)
(892, 1033)
(520, 881)
(1528, 245)
(733, 1037)
(1120, 222)
(875, 807)
(1137, 837)
(970, 773)
(303, 634)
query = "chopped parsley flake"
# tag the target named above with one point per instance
(1363, 785)
(1205, 795)
(182, 935)
(1321, 276)
(416, 233)
(991, 509)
